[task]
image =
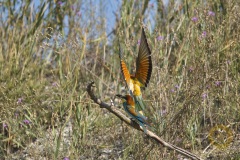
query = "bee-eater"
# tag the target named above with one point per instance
(129, 107)
(142, 75)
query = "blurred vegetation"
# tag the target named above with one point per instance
(51, 50)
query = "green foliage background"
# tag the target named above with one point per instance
(45, 111)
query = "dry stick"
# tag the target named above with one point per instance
(133, 124)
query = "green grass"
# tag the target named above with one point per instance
(44, 71)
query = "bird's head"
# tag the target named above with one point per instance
(128, 98)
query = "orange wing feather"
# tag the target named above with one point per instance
(144, 61)
(125, 72)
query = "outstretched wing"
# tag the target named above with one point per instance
(144, 61)
(125, 72)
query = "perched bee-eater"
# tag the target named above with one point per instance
(142, 75)
(129, 107)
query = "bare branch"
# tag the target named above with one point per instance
(111, 108)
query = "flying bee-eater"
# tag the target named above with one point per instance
(142, 75)
(129, 107)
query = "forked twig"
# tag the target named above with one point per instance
(152, 135)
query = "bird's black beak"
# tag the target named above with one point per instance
(120, 96)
